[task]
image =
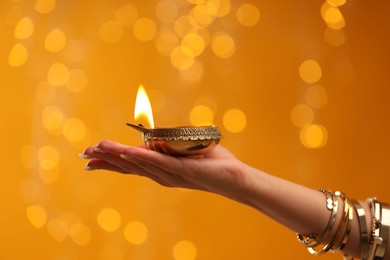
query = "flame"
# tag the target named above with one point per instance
(143, 107)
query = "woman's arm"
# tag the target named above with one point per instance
(299, 208)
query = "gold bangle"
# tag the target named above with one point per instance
(331, 241)
(345, 229)
(314, 240)
(364, 237)
(377, 242)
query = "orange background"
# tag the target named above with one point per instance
(298, 88)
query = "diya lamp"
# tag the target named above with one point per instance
(177, 141)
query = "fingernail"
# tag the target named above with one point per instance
(89, 168)
(85, 156)
(99, 150)
(125, 156)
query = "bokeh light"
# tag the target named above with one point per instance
(135, 232)
(316, 96)
(109, 219)
(24, 28)
(314, 136)
(301, 115)
(145, 29)
(166, 10)
(48, 157)
(223, 45)
(77, 81)
(201, 115)
(45, 6)
(58, 229)
(55, 40)
(80, 234)
(74, 130)
(248, 15)
(18, 55)
(310, 71)
(111, 32)
(58, 74)
(185, 250)
(126, 15)
(36, 215)
(234, 120)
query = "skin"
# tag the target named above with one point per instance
(220, 172)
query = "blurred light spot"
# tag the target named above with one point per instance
(234, 120)
(111, 32)
(223, 45)
(310, 71)
(223, 7)
(24, 28)
(332, 16)
(314, 136)
(110, 253)
(336, 2)
(184, 250)
(205, 14)
(166, 43)
(182, 58)
(74, 130)
(28, 156)
(75, 51)
(58, 74)
(48, 157)
(184, 25)
(57, 229)
(45, 6)
(49, 175)
(156, 98)
(36, 215)
(70, 218)
(52, 118)
(78, 81)
(109, 219)
(334, 37)
(195, 42)
(201, 115)
(135, 232)
(80, 234)
(89, 191)
(126, 15)
(301, 115)
(166, 10)
(13, 15)
(316, 96)
(194, 74)
(248, 15)
(45, 93)
(55, 40)
(18, 55)
(144, 29)
(196, 2)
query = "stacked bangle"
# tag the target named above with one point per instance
(320, 244)
(373, 243)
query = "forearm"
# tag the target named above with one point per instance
(301, 209)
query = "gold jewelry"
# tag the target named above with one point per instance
(314, 240)
(344, 228)
(380, 226)
(364, 237)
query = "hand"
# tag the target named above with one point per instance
(218, 171)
